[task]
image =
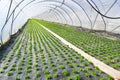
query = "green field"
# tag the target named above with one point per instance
(106, 50)
(38, 55)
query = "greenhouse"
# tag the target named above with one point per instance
(59, 39)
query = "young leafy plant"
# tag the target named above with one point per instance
(75, 71)
(88, 75)
(69, 78)
(48, 77)
(2, 71)
(10, 74)
(62, 67)
(46, 72)
(27, 77)
(77, 77)
(17, 79)
(65, 73)
(54, 70)
(55, 76)
(37, 75)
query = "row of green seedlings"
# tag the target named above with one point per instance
(46, 66)
(94, 45)
(73, 61)
(28, 64)
(12, 56)
(101, 49)
(52, 65)
(86, 74)
(8, 58)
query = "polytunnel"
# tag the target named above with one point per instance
(59, 40)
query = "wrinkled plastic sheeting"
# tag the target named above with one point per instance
(71, 12)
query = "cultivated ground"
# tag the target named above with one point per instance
(38, 55)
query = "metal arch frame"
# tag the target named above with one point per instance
(33, 1)
(109, 17)
(115, 28)
(105, 21)
(101, 17)
(11, 2)
(8, 17)
(6, 21)
(95, 18)
(15, 17)
(111, 6)
(118, 25)
(105, 13)
(67, 7)
(11, 15)
(21, 10)
(75, 14)
(53, 8)
(13, 12)
(83, 11)
(57, 15)
(92, 25)
(12, 24)
(109, 10)
(60, 7)
(17, 7)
